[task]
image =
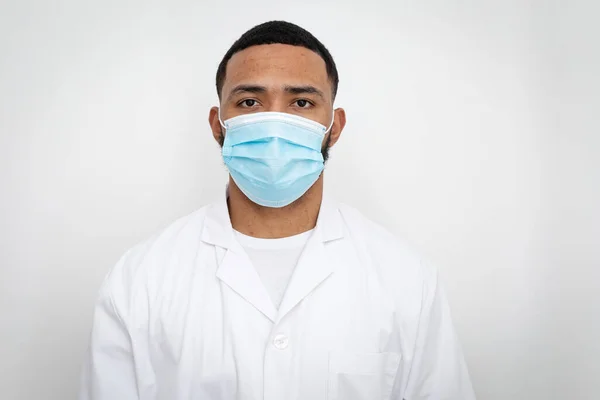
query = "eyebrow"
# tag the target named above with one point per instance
(304, 90)
(246, 88)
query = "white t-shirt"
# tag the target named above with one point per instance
(274, 260)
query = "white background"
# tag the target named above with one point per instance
(472, 132)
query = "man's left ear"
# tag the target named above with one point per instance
(339, 122)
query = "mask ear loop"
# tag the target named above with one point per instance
(331, 124)
(220, 120)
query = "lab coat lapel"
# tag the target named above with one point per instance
(235, 269)
(237, 272)
(314, 265)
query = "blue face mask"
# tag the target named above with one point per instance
(274, 158)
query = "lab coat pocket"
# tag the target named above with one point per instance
(362, 376)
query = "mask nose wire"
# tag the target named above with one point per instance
(327, 130)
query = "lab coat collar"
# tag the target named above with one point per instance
(236, 270)
(218, 231)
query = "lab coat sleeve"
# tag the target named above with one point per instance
(109, 371)
(438, 370)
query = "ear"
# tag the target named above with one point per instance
(339, 122)
(215, 125)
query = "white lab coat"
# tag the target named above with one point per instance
(185, 316)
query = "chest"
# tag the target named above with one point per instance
(341, 340)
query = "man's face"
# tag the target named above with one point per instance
(277, 77)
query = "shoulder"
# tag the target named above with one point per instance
(177, 236)
(148, 261)
(392, 258)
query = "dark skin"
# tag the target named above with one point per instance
(282, 78)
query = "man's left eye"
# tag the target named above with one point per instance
(302, 103)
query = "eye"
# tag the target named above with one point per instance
(248, 103)
(303, 103)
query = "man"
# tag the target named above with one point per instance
(276, 292)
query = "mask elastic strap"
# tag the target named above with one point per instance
(331, 124)
(220, 120)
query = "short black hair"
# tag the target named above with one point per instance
(279, 32)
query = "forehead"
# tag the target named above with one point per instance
(275, 65)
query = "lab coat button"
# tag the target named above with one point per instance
(281, 341)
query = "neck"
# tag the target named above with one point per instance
(272, 223)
